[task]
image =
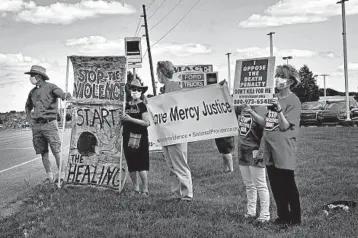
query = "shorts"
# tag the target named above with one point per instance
(225, 145)
(45, 134)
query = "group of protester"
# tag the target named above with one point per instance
(268, 145)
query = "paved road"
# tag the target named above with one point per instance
(20, 168)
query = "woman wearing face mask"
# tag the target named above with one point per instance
(135, 137)
(281, 128)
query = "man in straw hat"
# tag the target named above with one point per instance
(42, 100)
(175, 155)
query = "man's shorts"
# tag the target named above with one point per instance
(45, 134)
(225, 144)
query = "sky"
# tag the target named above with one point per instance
(45, 32)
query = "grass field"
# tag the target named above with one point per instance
(328, 171)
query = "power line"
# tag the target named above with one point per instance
(176, 24)
(140, 20)
(157, 9)
(150, 4)
(136, 31)
(166, 15)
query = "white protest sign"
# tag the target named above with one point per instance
(193, 115)
(254, 81)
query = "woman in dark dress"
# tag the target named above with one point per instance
(135, 137)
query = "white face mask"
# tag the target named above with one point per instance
(281, 83)
(136, 95)
(33, 80)
(159, 76)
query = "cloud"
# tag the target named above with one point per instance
(181, 50)
(64, 13)
(15, 5)
(98, 45)
(13, 81)
(288, 12)
(252, 52)
(351, 67)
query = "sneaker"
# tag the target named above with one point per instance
(279, 221)
(248, 216)
(135, 192)
(186, 199)
(261, 221)
(48, 181)
(61, 182)
(145, 194)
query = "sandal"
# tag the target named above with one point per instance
(228, 171)
(145, 194)
(48, 181)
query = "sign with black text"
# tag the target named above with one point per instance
(254, 81)
(96, 139)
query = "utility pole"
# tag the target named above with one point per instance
(149, 51)
(271, 43)
(345, 56)
(229, 74)
(324, 85)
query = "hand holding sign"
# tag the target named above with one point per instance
(125, 117)
(247, 108)
(276, 104)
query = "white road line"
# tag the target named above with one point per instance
(27, 162)
(25, 148)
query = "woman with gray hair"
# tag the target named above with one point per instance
(281, 128)
(175, 155)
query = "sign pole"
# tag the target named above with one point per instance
(134, 74)
(63, 126)
(229, 73)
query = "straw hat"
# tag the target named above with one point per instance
(37, 69)
(137, 84)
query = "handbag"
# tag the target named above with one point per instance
(134, 140)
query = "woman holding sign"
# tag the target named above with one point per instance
(135, 137)
(281, 125)
(251, 165)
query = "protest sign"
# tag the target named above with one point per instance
(96, 146)
(193, 115)
(254, 81)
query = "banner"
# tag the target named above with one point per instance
(153, 141)
(96, 147)
(193, 115)
(254, 81)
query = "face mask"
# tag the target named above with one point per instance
(281, 83)
(136, 95)
(159, 77)
(33, 80)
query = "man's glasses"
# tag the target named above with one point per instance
(136, 89)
